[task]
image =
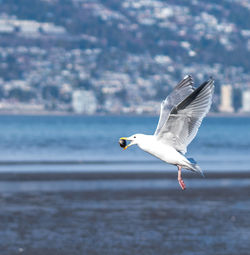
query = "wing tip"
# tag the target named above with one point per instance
(207, 83)
(211, 80)
(188, 76)
(186, 81)
(211, 84)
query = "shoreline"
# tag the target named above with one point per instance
(95, 176)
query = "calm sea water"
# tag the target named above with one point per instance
(66, 143)
(138, 215)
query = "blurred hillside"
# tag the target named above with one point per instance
(126, 54)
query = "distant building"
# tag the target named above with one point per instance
(245, 101)
(84, 102)
(5, 27)
(226, 104)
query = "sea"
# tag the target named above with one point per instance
(90, 143)
(67, 187)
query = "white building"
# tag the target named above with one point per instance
(226, 104)
(5, 27)
(50, 28)
(246, 101)
(29, 27)
(84, 102)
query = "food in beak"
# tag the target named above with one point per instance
(122, 143)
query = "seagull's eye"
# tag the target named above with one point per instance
(134, 136)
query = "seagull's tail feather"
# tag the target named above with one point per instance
(194, 166)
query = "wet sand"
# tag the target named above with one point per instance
(135, 216)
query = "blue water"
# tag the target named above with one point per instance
(82, 144)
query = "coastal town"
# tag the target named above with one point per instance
(47, 66)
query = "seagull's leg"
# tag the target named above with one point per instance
(181, 182)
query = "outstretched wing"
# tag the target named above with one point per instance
(180, 92)
(185, 118)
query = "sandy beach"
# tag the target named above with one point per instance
(124, 213)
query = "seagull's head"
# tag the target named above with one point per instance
(134, 139)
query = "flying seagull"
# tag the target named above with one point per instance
(180, 118)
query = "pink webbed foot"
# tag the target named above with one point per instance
(182, 184)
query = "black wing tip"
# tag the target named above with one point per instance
(207, 84)
(211, 80)
(188, 76)
(187, 80)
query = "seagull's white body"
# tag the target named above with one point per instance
(181, 116)
(150, 144)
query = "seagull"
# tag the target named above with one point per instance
(181, 115)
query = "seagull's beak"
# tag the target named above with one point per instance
(127, 139)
